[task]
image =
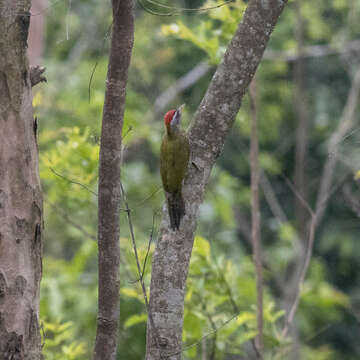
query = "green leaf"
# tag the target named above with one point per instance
(202, 247)
(135, 319)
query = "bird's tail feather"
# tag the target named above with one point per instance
(176, 208)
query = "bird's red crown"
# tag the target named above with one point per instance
(168, 117)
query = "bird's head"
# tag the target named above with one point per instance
(172, 119)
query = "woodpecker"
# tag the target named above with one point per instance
(174, 159)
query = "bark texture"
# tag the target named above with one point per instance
(109, 180)
(207, 133)
(20, 192)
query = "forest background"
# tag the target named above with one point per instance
(307, 89)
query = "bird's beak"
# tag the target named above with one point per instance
(177, 116)
(180, 108)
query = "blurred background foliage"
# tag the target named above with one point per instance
(221, 283)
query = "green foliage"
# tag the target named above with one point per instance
(68, 170)
(211, 35)
(59, 344)
(69, 291)
(219, 302)
(221, 286)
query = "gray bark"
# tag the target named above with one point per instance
(109, 180)
(207, 133)
(21, 213)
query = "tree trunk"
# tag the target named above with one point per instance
(109, 180)
(255, 219)
(301, 106)
(211, 125)
(20, 192)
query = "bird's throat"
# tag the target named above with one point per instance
(172, 131)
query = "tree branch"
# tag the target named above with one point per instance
(313, 51)
(271, 198)
(345, 124)
(207, 134)
(255, 219)
(352, 200)
(201, 69)
(109, 193)
(140, 272)
(186, 81)
(301, 107)
(57, 210)
(325, 190)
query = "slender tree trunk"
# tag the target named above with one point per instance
(301, 106)
(109, 180)
(255, 220)
(211, 125)
(20, 192)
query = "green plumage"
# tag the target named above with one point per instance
(174, 159)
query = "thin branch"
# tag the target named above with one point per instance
(245, 230)
(57, 210)
(344, 126)
(213, 327)
(291, 314)
(255, 218)
(325, 190)
(141, 271)
(149, 245)
(309, 250)
(271, 198)
(301, 108)
(233, 303)
(152, 12)
(108, 31)
(148, 197)
(72, 181)
(67, 20)
(352, 200)
(94, 193)
(209, 334)
(299, 196)
(181, 9)
(289, 348)
(313, 51)
(183, 83)
(203, 68)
